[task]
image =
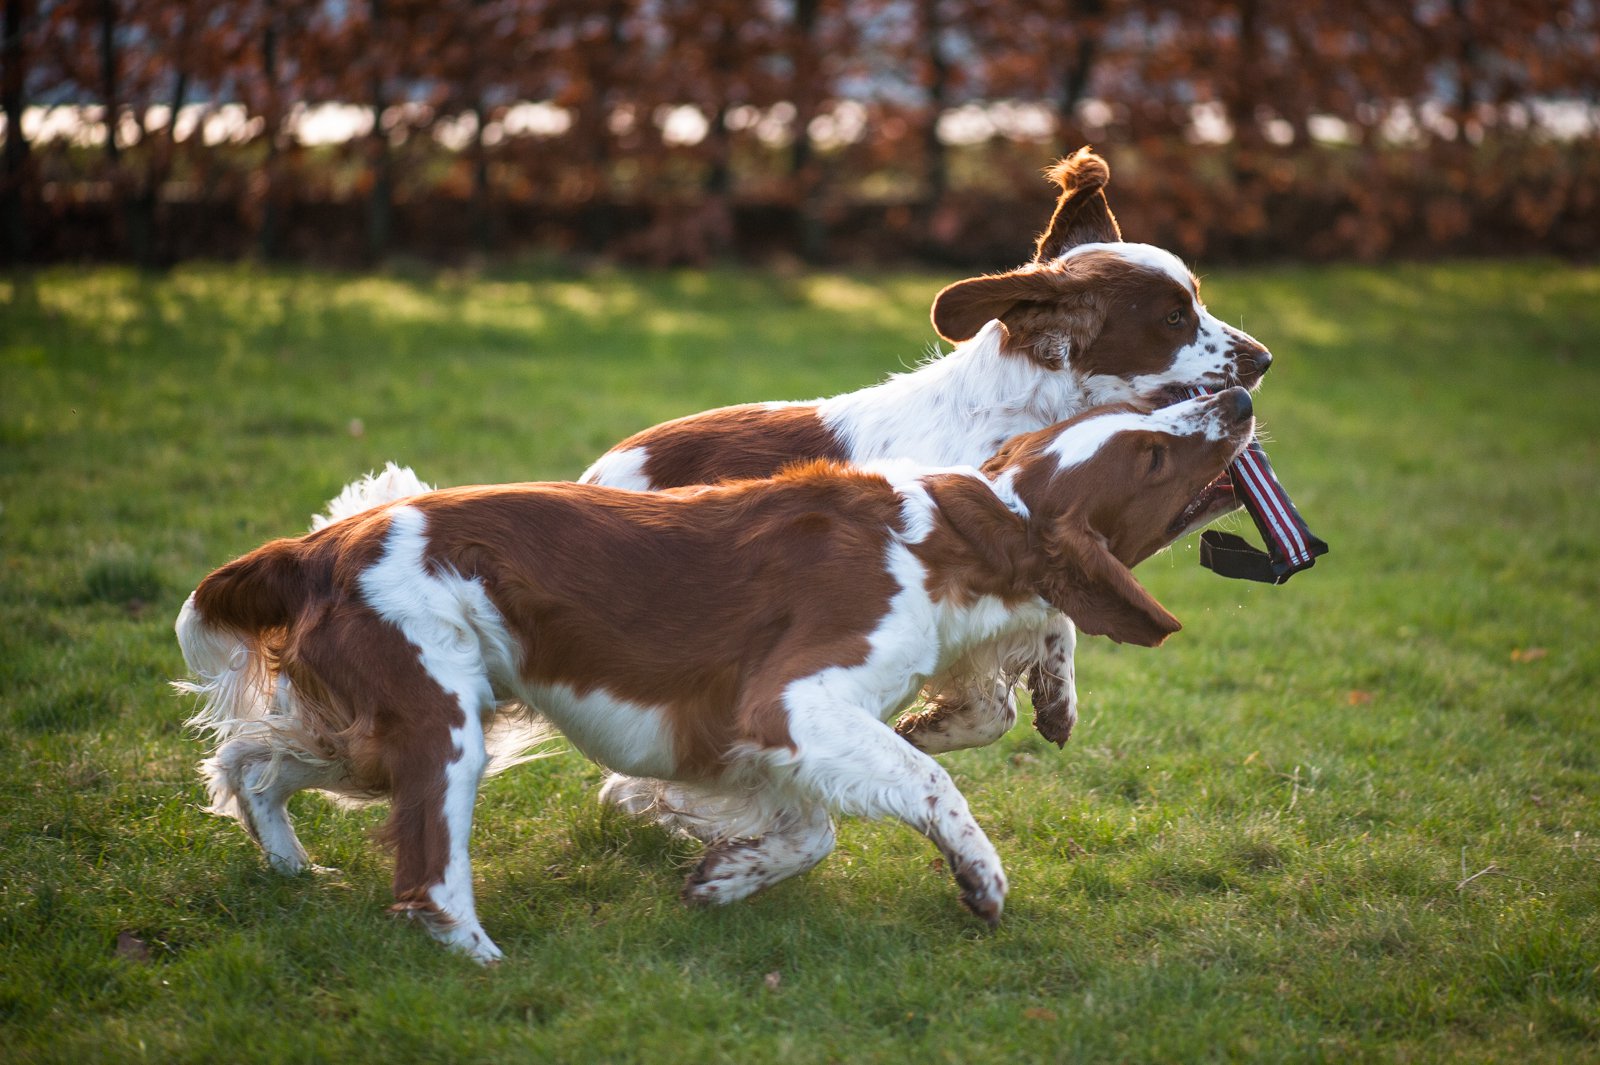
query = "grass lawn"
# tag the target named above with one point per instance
(1352, 817)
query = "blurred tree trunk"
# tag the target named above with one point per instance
(1466, 58)
(806, 96)
(380, 197)
(14, 182)
(600, 66)
(108, 76)
(147, 201)
(936, 174)
(717, 230)
(482, 229)
(482, 225)
(160, 152)
(719, 164)
(268, 242)
(112, 114)
(1244, 94)
(1077, 66)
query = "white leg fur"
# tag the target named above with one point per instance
(454, 921)
(251, 779)
(638, 797)
(863, 768)
(709, 813)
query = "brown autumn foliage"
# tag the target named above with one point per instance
(689, 130)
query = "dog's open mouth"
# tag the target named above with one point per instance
(1215, 499)
(1169, 395)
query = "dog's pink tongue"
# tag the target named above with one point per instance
(1291, 545)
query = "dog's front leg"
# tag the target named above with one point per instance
(1053, 683)
(861, 767)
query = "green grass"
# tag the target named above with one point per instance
(1261, 842)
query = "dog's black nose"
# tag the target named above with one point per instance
(1236, 403)
(1262, 361)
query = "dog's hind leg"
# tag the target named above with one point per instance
(736, 868)
(636, 796)
(431, 825)
(252, 780)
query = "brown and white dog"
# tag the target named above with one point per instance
(746, 643)
(1091, 320)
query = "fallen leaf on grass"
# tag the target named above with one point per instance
(1039, 1013)
(1358, 698)
(1528, 654)
(132, 947)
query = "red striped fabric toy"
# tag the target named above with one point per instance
(1291, 546)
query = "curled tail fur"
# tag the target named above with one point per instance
(375, 489)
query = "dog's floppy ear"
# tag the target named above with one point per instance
(964, 307)
(1085, 581)
(991, 552)
(1082, 214)
(1047, 311)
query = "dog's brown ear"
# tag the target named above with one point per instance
(964, 307)
(1046, 310)
(1085, 581)
(988, 553)
(1082, 214)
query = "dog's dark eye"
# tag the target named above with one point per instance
(1176, 317)
(1158, 455)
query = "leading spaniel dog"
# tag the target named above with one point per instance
(1091, 320)
(745, 643)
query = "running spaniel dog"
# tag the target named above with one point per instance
(1091, 320)
(742, 645)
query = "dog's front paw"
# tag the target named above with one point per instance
(983, 891)
(1055, 705)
